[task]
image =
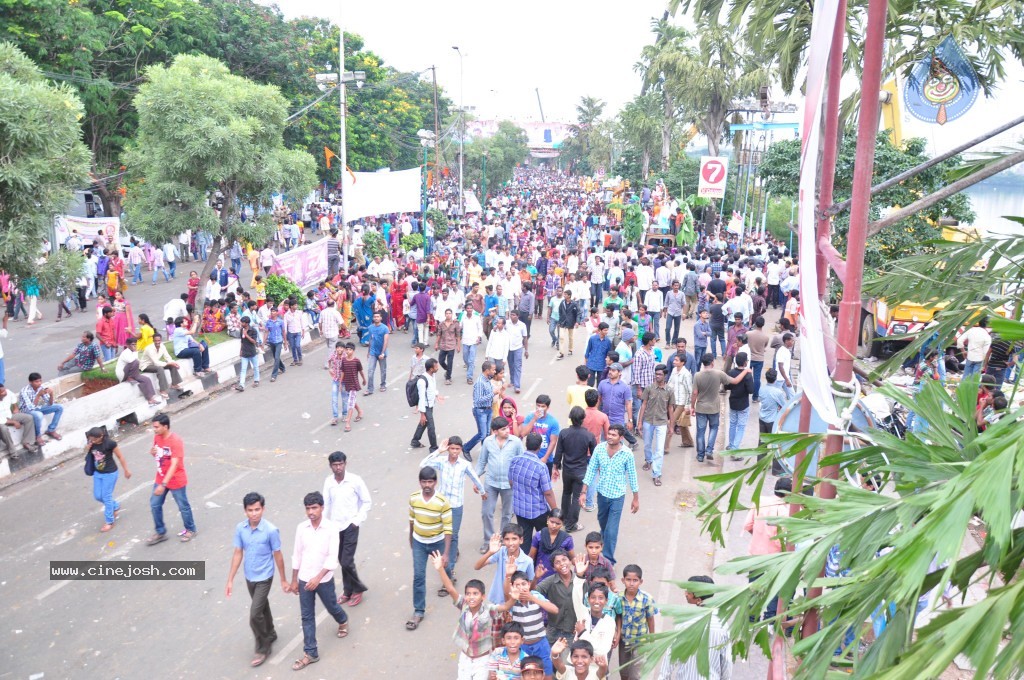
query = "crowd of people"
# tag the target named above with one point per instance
(546, 251)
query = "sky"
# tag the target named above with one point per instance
(566, 49)
(510, 50)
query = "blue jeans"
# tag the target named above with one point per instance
(515, 367)
(137, 273)
(453, 551)
(972, 367)
(757, 367)
(717, 337)
(337, 389)
(698, 352)
(482, 416)
(37, 415)
(275, 350)
(469, 358)
(236, 265)
(156, 505)
(103, 492)
(172, 267)
(609, 512)
(158, 270)
(248, 362)
(592, 490)
(737, 426)
(372, 362)
(307, 611)
(295, 344)
(202, 251)
(553, 332)
(706, 421)
(672, 324)
(200, 359)
(420, 556)
(654, 446)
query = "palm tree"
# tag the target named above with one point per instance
(577, 148)
(658, 66)
(640, 123)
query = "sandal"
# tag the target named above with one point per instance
(334, 421)
(106, 527)
(348, 428)
(358, 418)
(306, 660)
(414, 622)
(657, 481)
(258, 660)
(343, 630)
(647, 466)
(54, 435)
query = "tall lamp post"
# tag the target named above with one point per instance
(483, 189)
(462, 135)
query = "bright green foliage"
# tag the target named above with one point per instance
(506, 149)
(583, 149)
(411, 242)
(373, 244)
(60, 272)
(639, 124)
(781, 170)
(42, 158)
(224, 136)
(280, 288)
(632, 223)
(440, 221)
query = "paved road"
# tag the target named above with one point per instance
(275, 440)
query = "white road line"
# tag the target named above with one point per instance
(226, 485)
(526, 395)
(129, 494)
(295, 642)
(52, 589)
(320, 427)
(665, 589)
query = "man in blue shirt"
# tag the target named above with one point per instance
(275, 338)
(483, 401)
(363, 310)
(258, 542)
(617, 400)
(773, 398)
(377, 335)
(598, 347)
(546, 425)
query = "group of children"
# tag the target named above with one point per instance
(565, 619)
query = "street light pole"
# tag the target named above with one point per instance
(343, 151)
(462, 136)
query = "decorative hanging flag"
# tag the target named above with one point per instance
(943, 86)
(328, 155)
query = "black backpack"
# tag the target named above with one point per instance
(412, 392)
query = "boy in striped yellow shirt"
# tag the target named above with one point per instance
(430, 529)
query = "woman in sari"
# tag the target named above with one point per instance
(399, 289)
(123, 320)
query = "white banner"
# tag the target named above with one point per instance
(814, 375)
(377, 193)
(88, 228)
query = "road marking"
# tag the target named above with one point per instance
(295, 642)
(226, 485)
(670, 560)
(51, 590)
(129, 494)
(526, 395)
(320, 427)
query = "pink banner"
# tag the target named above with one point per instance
(305, 266)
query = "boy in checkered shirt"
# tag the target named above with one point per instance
(638, 612)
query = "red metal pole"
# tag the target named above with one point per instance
(830, 152)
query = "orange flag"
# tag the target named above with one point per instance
(328, 155)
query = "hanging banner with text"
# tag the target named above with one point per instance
(814, 375)
(306, 266)
(713, 172)
(379, 193)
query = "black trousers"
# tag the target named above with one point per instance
(429, 427)
(571, 487)
(260, 619)
(527, 319)
(538, 523)
(349, 540)
(446, 357)
(81, 298)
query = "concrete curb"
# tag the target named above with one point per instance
(124, 404)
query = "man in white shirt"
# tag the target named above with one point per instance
(472, 335)
(426, 389)
(644, 276)
(518, 348)
(978, 342)
(346, 504)
(314, 560)
(784, 363)
(171, 258)
(741, 303)
(498, 344)
(176, 307)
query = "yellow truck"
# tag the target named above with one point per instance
(882, 321)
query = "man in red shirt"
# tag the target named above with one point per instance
(169, 452)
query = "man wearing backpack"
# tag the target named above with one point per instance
(426, 397)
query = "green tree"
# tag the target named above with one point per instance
(577, 147)
(639, 125)
(780, 168)
(506, 149)
(659, 70)
(225, 136)
(42, 158)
